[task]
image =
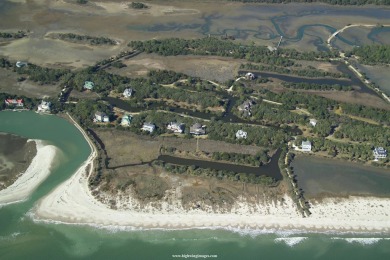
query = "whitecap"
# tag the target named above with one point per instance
(290, 241)
(10, 237)
(360, 240)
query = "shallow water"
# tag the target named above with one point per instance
(296, 23)
(378, 74)
(320, 175)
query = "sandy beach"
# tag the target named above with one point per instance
(72, 202)
(35, 174)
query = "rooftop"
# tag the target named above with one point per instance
(99, 113)
(89, 85)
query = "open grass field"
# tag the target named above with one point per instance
(9, 84)
(128, 148)
(206, 67)
(150, 183)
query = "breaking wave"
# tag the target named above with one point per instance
(361, 240)
(290, 241)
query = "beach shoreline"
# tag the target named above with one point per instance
(38, 170)
(72, 202)
(16, 155)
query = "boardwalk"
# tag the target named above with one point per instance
(349, 26)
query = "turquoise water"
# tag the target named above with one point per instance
(21, 238)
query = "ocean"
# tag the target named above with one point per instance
(22, 238)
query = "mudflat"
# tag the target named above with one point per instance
(260, 24)
(16, 154)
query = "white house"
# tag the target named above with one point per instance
(313, 122)
(149, 127)
(241, 134)
(176, 127)
(126, 120)
(128, 92)
(44, 107)
(101, 117)
(306, 146)
(250, 76)
(20, 64)
(379, 153)
(271, 48)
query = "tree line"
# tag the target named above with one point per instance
(138, 5)
(371, 54)
(364, 132)
(84, 38)
(219, 174)
(332, 2)
(319, 107)
(310, 72)
(258, 159)
(274, 114)
(215, 46)
(379, 115)
(13, 35)
(42, 75)
(257, 135)
(314, 86)
(344, 150)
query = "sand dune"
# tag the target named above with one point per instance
(35, 174)
(72, 202)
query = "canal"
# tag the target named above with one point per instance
(271, 169)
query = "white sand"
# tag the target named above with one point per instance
(35, 174)
(72, 202)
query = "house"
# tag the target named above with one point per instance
(14, 102)
(44, 106)
(128, 92)
(271, 48)
(197, 129)
(379, 153)
(101, 117)
(241, 134)
(306, 146)
(20, 64)
(149, 127)
(246, 105)
(245, 108)
(250, 76)
(313, 122)
(126, 120)
(176, 127)
(89, 85)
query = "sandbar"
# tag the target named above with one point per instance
(36, 173)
